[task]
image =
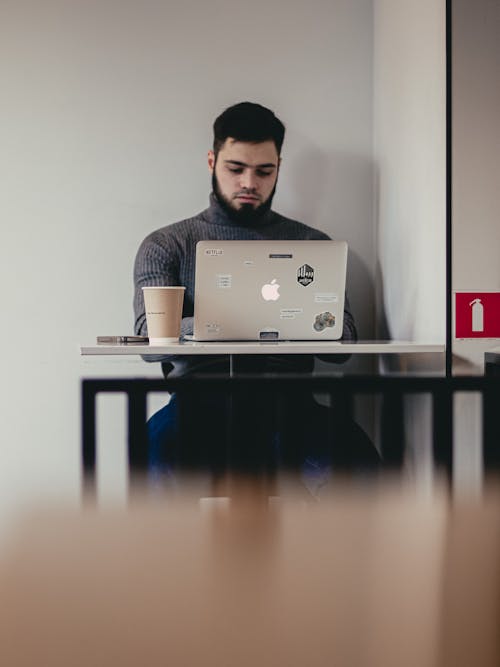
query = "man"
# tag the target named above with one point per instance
(244, 164)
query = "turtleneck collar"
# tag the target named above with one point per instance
(218, 216)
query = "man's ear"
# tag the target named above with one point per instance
(211, 161)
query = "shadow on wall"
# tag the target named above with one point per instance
(306, 186)
(403, 327)
(382, 324)
(382, 330)
(334, 192)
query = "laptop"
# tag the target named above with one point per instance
(269, 290)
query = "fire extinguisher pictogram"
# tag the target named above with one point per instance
(477, 315)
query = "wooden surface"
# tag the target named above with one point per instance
(354, 581)
(373, 577)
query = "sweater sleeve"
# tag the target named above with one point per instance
(156, 264)
(349, 332)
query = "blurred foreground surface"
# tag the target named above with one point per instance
(373, 576)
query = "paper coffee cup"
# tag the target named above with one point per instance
(163, 307)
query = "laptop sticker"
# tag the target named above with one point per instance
(324, 320)
(224, 281)
(290, 313)
(326, 298)
(305, 275)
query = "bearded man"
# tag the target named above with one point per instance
(244, 163)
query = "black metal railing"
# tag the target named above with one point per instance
(261, 399)
(492, 363)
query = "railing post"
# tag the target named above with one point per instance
(338, 427)
(491, 429)
(137, 433)
(442, 427)
(393, 439)
(491, 414)
(88, 398)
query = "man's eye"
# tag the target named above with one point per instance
(235, 170)
(262, 173)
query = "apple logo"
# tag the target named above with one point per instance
(270, 291)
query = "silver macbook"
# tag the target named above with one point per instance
(269, 290)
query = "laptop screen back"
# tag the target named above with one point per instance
(269, 290)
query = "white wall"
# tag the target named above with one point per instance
(476, 159)
(410, 195)
(105, 122)
(410, 153)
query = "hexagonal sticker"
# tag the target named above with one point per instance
(305, 275)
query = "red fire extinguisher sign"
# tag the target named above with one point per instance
(477, 314)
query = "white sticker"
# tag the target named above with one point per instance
(223, 281)
(290, 313)
(214, 252)
(269, 334)
(327, 297)
(212, 327)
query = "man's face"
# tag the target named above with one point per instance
(244, 177)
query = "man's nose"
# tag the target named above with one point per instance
(248, 179)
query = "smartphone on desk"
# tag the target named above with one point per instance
(122, 340)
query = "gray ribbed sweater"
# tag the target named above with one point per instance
(167, 257)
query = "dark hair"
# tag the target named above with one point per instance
(250, 122)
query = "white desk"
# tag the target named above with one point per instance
(268, 347)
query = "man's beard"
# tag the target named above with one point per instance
(246, 214)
